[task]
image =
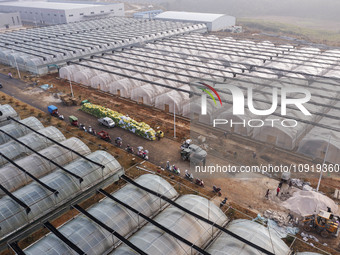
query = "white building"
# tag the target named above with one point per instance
(10, 20)
(58, 13)
(214, 22)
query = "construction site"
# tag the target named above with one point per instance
(102, 134)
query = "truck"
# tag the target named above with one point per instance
(194, 153)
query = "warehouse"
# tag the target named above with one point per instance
(49, 13)
(10, 20)
(214, 22)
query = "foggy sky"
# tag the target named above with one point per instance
(312, 9)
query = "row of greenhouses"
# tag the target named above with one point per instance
(37, 49)
(41, 171)
(162, 74)
(172, 230)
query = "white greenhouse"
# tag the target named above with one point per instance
(42, 201)
(14, 150)
(153, 240)
(253, 232)
(38, 49)
(17, 130)
(12, 178)
(93, 239)
(5, 112)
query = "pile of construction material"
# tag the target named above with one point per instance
(309, 202)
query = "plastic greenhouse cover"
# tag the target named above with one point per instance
(153, 240)
(18, 130)
(170, 98)
(252, 231)
(12, 178)
(15, 150)
(93, 239)
(42, 201)
(7, 111)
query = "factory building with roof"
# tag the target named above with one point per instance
(10, 20)
(214, 22)
(59, 13)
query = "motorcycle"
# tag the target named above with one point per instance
(189, 176)
(175, 170)
(61, 117)
(199, 182)
(92, 131)
(217, 190)
(224, 201)
(142, 153)
(167, 166)
(129, 149)
(82, 127)
(119, 142)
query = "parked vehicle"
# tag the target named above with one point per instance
(189, 176)
(107, 122)
(82, 127)
(194, 153)
(324, 223)
(104, 135)
(73, 121)
(53, 110)
(217, 190)
(129, 149)
(175, 170)
(119, 142)
(199, 182)
(168, 166)
(224, 201)
(91, 131)
(142, 153)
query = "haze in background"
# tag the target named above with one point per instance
(309, 9)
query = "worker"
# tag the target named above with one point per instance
(159, 134)
(277, 191)
(267, 194)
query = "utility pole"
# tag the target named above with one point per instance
(174, 120)
(69, 78)
(16, 64)
(324, 161)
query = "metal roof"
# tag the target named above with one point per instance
(49, 5)
(190, 16)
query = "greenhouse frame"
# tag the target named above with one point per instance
(23, 146)
(63, 185)
(12, 178)
(90, 237)
(147, 216)
(17, 131)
